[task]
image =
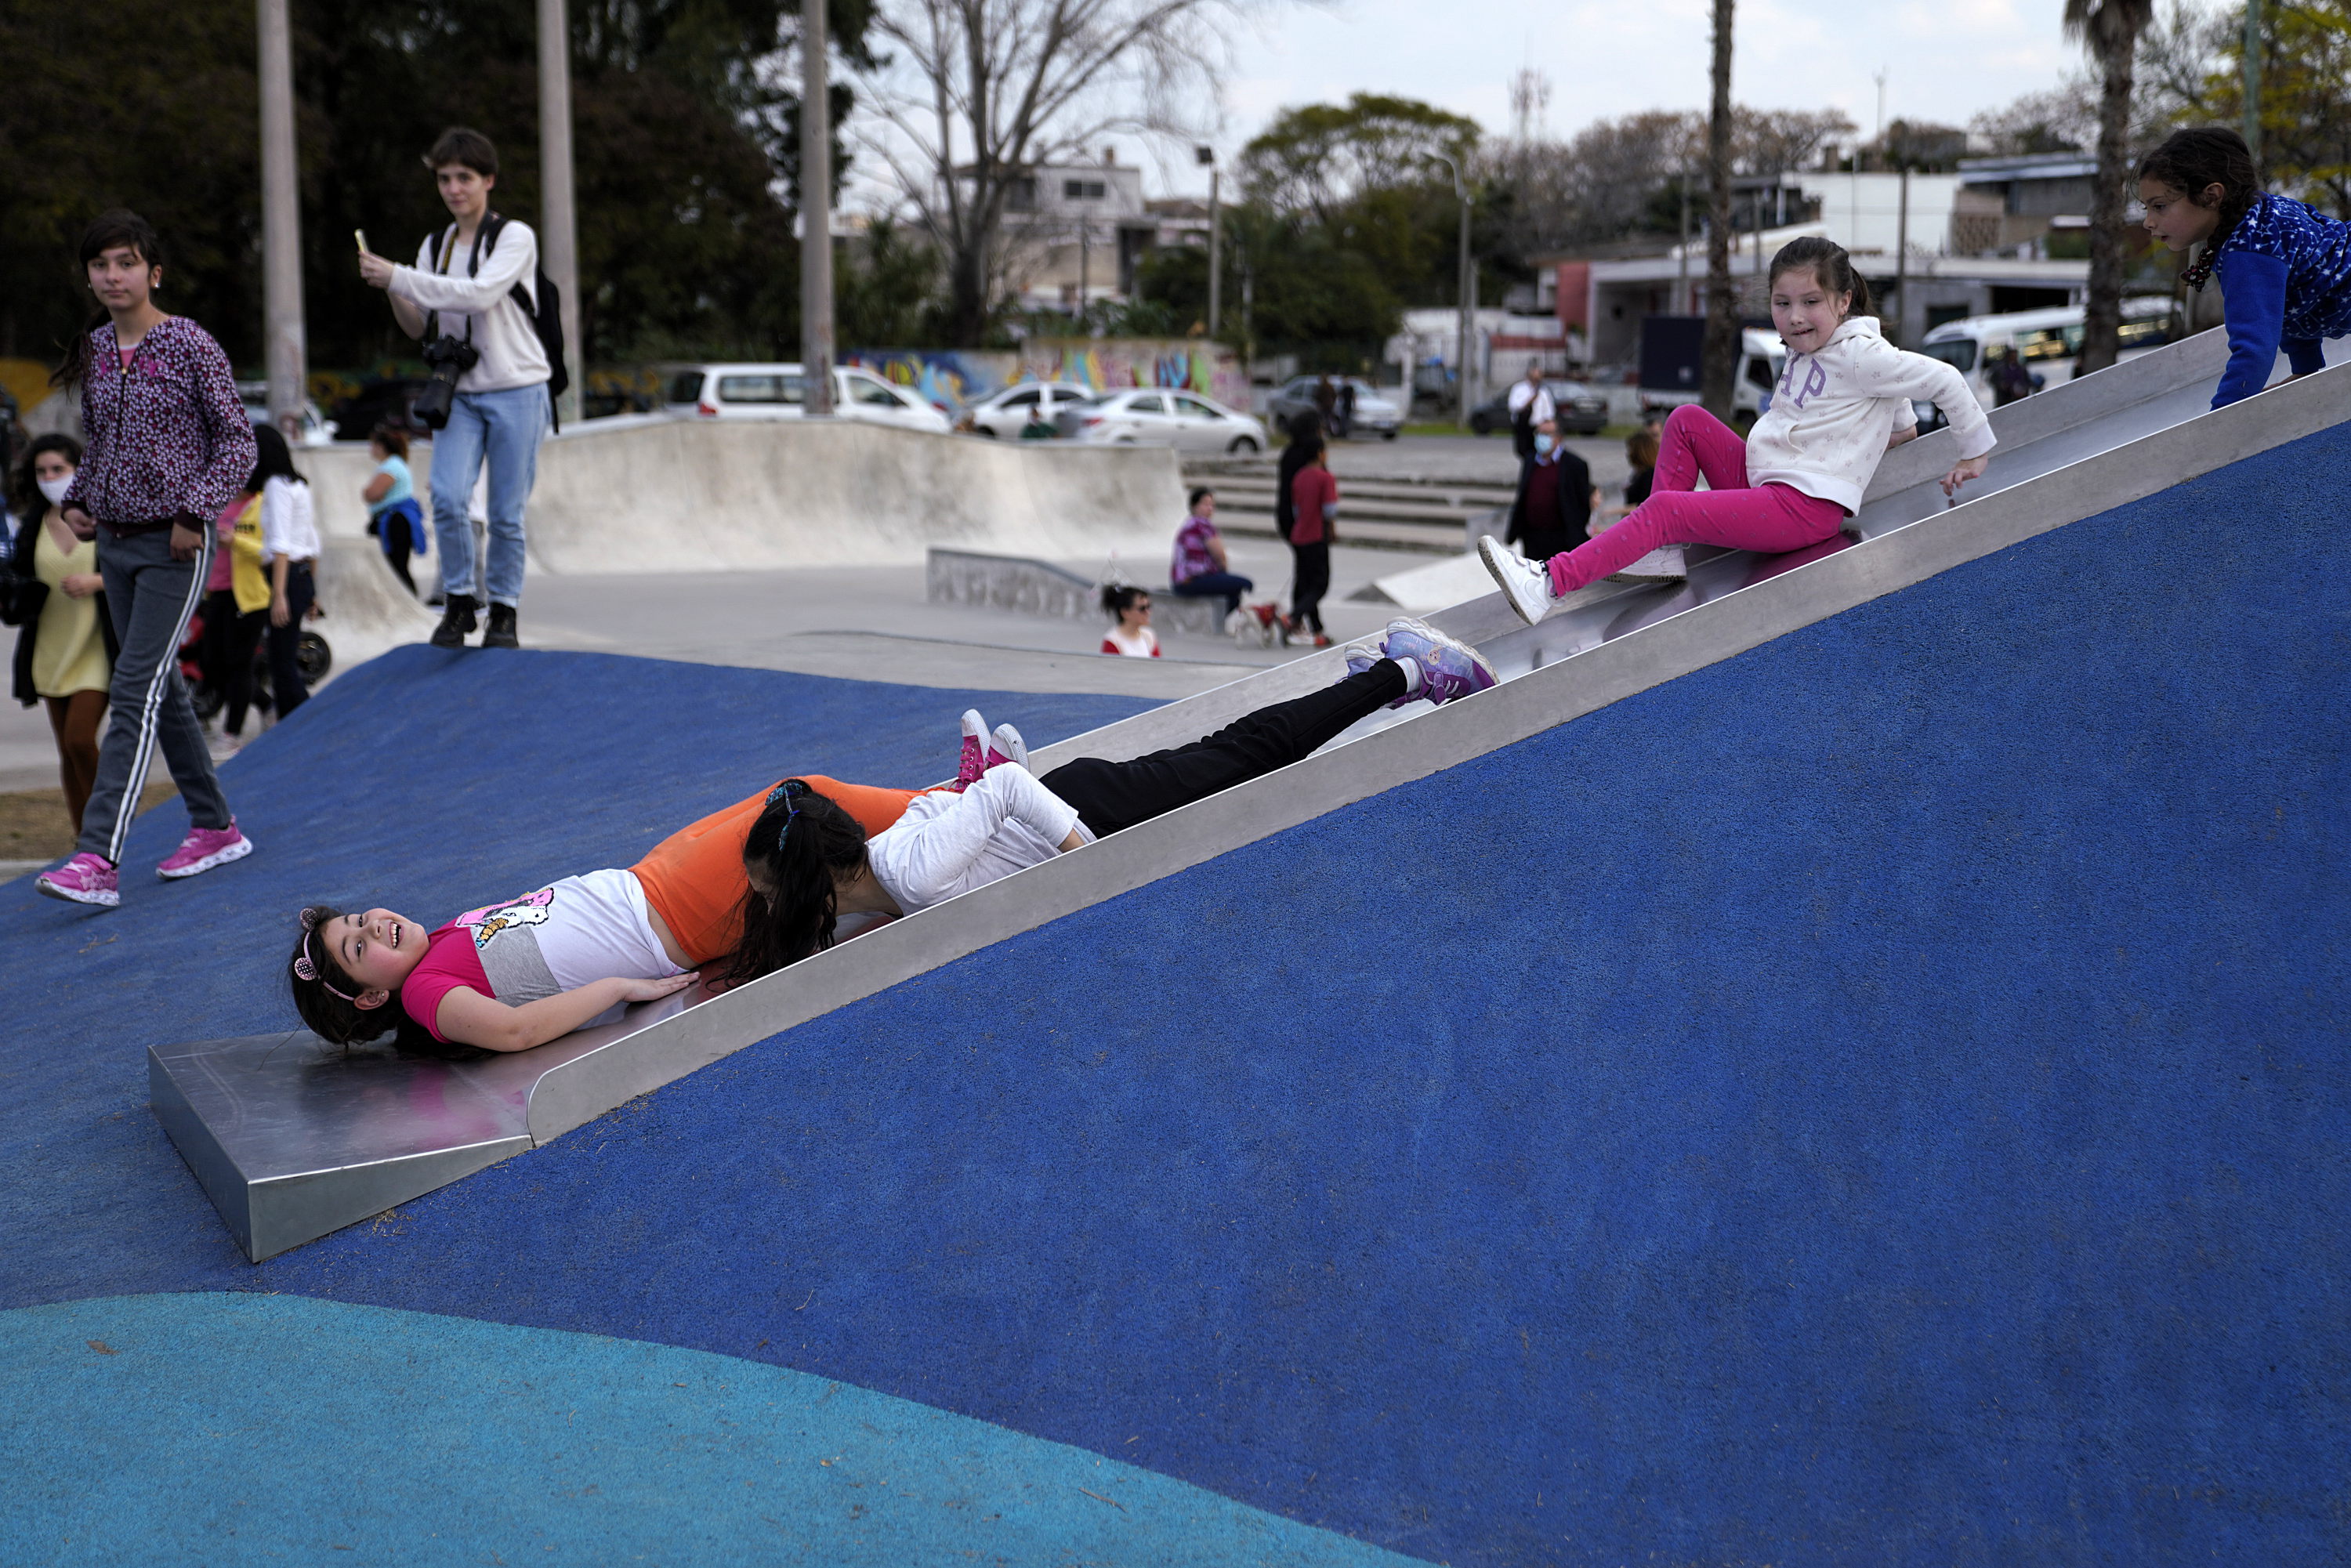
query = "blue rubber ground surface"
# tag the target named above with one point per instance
(1879, 1100)
(239, 1428)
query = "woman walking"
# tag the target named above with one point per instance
(65, 654)
(170, 445)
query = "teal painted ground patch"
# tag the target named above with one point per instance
(215, 1428)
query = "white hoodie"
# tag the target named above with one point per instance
(502, 332)
(1832, 412)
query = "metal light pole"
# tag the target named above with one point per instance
(286, 347)
(559, 230)
(1462, 194)
(816, 216)
(2253, 78)
(1216, 243)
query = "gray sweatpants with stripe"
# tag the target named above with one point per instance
(150, 597)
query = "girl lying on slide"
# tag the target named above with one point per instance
(511, 975)
(809, 860)
(1842, 401)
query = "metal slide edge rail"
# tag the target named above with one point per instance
(581, 1090)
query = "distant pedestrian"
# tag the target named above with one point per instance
(1641, 449)
(1555, 499)
(65, 654)
(394, 516)
(1530, 404)
(1345, 411)
(1130, 636)
(2011, 382)
(170, 442)
(289, 550)
(1326, 402)
(1314, 503)
(1305, 441)
(236, 614)
(1200, 568)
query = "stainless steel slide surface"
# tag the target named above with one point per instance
(243, 1112)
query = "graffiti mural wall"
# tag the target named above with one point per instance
(954, 378)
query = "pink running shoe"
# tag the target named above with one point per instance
(974, 761)
(85, 879)
(203, 849)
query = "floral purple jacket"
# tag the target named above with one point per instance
(166, 436)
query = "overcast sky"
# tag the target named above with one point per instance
(1944, 60)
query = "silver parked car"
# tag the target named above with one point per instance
(1377, 412)
(1005, 415)
(774, 390)
(1147, 416)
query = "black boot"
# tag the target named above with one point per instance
(501, 634)
(456, 620)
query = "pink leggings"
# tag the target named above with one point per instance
(1773, 519)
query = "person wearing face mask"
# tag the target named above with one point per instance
(64, 653)
(1555, 498)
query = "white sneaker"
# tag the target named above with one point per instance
(1664, 564)
(1525, 583)
(223, 747)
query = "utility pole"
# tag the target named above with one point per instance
(816, 217)
(1682, 301)
(1719, 359)
(2254, 79)
(1216, 243)
(1469, 305)
(287, 346)
(1902, 263)
(559, 224)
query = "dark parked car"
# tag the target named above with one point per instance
(1580, 411)
(389, 399)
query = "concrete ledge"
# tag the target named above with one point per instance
(1029, 587)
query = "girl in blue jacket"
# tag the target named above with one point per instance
(2284, 267)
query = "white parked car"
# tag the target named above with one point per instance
(774, 392)
(1004, 415)
(1151, 416)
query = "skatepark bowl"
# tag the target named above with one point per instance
(1836, 1059)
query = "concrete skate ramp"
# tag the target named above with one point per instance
(669, 495)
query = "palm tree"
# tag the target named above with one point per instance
(2111, 30)
(1719, 361)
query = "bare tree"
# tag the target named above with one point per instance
(1719, 365)
(977, 94)
(2111, 29)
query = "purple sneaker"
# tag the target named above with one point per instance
(1450, 669)
(85, 879)
(203, 849)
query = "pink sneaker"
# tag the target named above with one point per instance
(203, 849)
(974, 760)
(85, 879)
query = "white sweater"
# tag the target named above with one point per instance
(947, 844)
(1832, 412)
(503, 334)
(289, 524)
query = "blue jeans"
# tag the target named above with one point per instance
(505, 427)
(1227, 585)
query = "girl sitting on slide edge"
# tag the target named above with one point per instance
(1843, 398)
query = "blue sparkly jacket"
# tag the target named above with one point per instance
(2285, 283)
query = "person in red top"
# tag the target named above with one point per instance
(170, 446)
(1314, 501)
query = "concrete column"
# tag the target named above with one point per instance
(816, 215)
(1216, 252)
(558, 224)
(286, 347)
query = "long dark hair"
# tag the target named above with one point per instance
(323, 994)
(1118, 597)
(119, 227)
(800, 841)
(272, 459)
(1826, 260)
(2190, 161)
(31, 505)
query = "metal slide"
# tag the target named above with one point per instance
(292, 1139)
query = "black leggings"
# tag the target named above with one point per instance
(1113, 795)
(229, 641)
(396, 552)
(285, 687)
(1310, 580)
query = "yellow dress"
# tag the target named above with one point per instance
(69, 650)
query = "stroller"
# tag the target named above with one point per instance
(312, 657)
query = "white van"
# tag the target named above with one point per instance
(2049, 341)
(773, 392)
(1762, 356)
